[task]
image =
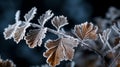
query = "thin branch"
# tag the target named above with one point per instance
(51, 30)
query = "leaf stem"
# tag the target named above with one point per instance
(51, 30)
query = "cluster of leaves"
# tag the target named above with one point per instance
(6, 63)
(62, 48)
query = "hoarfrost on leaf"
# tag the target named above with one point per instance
(17, 16)
(10, 30)
(34, 37)
(59, 21)
(86, 31)
(6, 63)
(20, 31)
(60, 49)
(30, 15)
(45, 17)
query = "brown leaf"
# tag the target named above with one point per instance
(20, 31)
(60, 49)
(6, 63)
(86, 31)
(59, 21)
(34, 37)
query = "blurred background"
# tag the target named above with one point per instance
(77, 11)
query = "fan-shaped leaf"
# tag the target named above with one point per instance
(60, 49)
(30, 15)
(20, 31)
(59, 21)
(34, 37)
(86, 31)
(45, 17)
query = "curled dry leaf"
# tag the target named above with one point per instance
(45, 17)
(60, 49)
(6, 63)
(10, 30)
(34, 37)
(20, 31)
(59, 21)
(86, 31)
(30, 15)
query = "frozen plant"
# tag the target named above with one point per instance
(6, 63)
(62, 48)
